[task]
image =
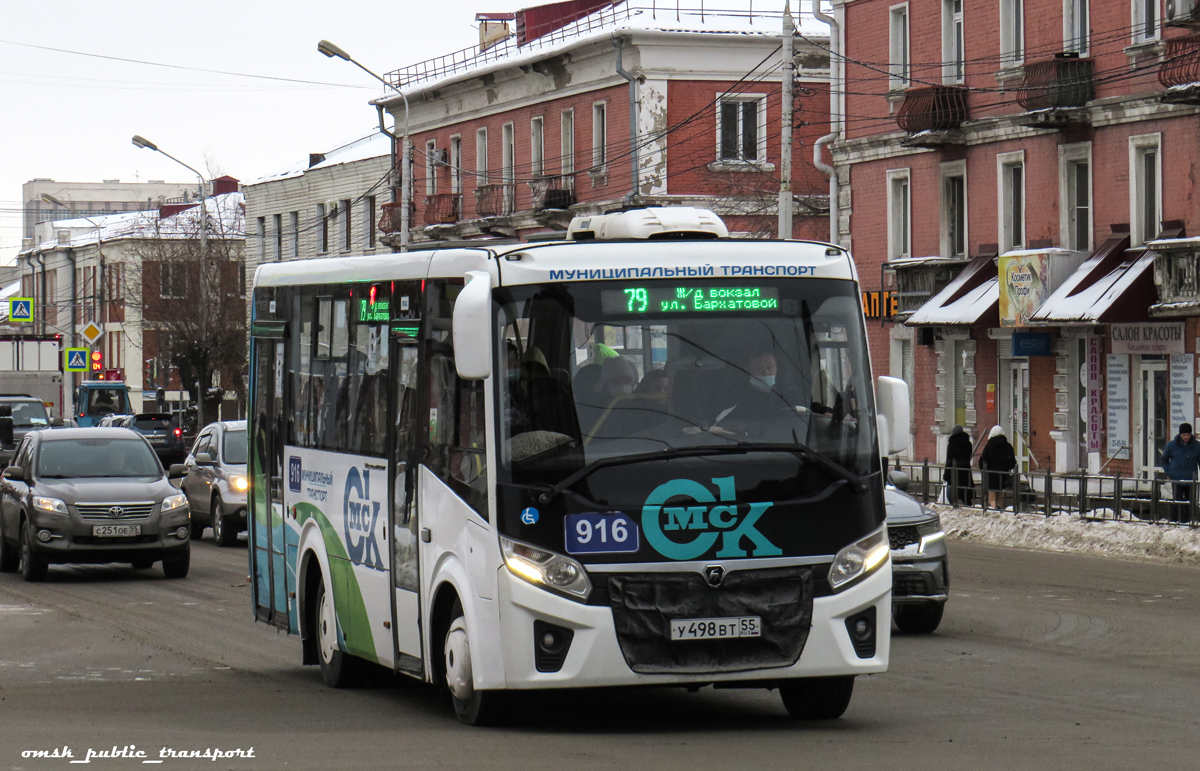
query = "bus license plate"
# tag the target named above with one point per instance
(715, 628)
(116, 531)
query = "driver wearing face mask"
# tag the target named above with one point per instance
(757, 398)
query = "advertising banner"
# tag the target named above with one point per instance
(1023, 287)
(1149, 337)
(1094, 406)
(1117, 382)
(1183, 389)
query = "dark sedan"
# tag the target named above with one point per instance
(160, 430)
(91, 495)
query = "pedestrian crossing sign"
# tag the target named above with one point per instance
(20, 310)
(76, 359)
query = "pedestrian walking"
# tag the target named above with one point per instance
(999, 459)
(960, 489)
(1181, 461)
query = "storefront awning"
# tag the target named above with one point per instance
(1115, 284)
(971, 299)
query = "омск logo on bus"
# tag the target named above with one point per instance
(688, 531)
(361, 514)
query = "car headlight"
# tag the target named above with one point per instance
(173, 502)
(930, 530)
(239, 483)
(858, 560)
(547, 569)
(50, 504)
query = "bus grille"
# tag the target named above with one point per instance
(644, 604)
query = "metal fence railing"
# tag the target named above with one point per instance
(1090, 496)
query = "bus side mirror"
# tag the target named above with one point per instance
(472, 327)
(891, 403)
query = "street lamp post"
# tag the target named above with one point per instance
(331, 50)
(140, 141)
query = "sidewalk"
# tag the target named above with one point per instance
(1066, 532)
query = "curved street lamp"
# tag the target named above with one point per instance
(142, 142)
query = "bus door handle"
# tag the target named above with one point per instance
(276, 487)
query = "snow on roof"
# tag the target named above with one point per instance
(374, 145)
(226, 220)
(973, 295)
(1088, 295)
(733, 17)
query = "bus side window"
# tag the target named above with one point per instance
(457, 426)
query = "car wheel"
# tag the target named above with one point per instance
(223, 534)
(919, 619)
(473, 707)
(338, 668)
(817, 698)
(10, 556)
(33, 567)
(177, 567)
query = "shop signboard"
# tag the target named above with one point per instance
(1024, 286)
(1183, 390)
(1094, 411)
(1117, 386)
(1032, 344)
(1153, 337)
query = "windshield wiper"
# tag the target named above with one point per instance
(801, 451)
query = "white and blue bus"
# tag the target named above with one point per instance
(647, 454)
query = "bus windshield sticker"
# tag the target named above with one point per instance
(596, 533)
(727, 520)
(529, 516)
(689, 299)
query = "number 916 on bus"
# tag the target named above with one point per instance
(595, 533)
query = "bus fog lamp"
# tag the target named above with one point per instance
(545, 568)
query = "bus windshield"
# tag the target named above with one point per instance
(601, 370)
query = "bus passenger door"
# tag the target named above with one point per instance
(404, 517)
(271, 582)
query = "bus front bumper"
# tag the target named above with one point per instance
(594, 656)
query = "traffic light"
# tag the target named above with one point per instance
(98, 363)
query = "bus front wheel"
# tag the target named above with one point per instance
(817, 698)
(338, 669)
(473, 707)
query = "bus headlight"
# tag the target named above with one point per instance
(547, 569)
(858, 560)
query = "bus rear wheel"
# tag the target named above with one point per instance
(473, 707)
(338, 668)
(817, 698)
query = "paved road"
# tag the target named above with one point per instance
(1046, 661)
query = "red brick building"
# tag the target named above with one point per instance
(1014, 168)
(516, 135)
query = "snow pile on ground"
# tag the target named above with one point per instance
(1068, 532)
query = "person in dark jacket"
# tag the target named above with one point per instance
(999, 460)
(959, 487)
(1181, 460)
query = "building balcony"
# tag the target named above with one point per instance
(556, 192)
(494, 200)
(932, 109)
(443, 208)
(912, 282)
(390, 219)
(1179, 71)
(1055, 91)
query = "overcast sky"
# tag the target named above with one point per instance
(70, 117)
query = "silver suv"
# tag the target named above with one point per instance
(91, 495)
(216, 481)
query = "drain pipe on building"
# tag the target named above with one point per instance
(835, 120)
(633, 132)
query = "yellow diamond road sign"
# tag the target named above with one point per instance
(91, 333)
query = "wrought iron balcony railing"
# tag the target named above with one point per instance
(1180, 61)
(1057, 83)
(932, 108)
(494, 200)
(443, 208)
(553, 192)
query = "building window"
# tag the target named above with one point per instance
(242, 279)
(278, 236)
(456, 165)
(1145, 20)
(899, 63)
(431, 167)
(481, 156)
(1075, 195)
(295, 228)
(899, 213)
(537, 147)
(953, 57)
(1075, 26)
(1010, 168)
(347, 230)
(1012, 33)
(740, 129)
(323, 227)
(261, 238)
(173, 280)
(954, 208)
(508, 152)
(567, 131)
(115, 348)
(369, 222)
(599, 136)
(1145, 189)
